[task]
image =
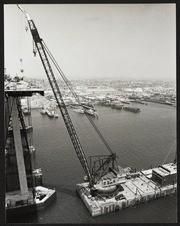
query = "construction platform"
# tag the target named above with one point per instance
(130, 189)
(16, 203)
(24, 93)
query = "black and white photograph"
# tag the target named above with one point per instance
(90, 113)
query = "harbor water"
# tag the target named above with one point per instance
(140, 140)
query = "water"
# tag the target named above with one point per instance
(140, 140)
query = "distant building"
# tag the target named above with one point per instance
(100, 90)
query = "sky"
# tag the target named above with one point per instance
(102, 41)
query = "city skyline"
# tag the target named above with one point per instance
(114, 41)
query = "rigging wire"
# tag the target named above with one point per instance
(169, 151)
(77, 98)
(21, 44)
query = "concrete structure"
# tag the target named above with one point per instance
(21, 177)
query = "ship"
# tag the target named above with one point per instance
(86, 110)
(135, 110)
(125, 101)
(117, 106)
(91, 112)
(54, 113)
(49, 113)
(43, 111)
(78, 110)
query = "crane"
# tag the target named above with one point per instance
(101, 163)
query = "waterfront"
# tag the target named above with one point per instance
(140, 140)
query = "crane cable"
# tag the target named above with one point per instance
(21, 44)
(76, 97)
(169, 151)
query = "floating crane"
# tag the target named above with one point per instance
(99, 165)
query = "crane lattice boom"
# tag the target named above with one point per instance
(44, 53)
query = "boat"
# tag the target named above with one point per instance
(117, 106)
(168, 102)
(125, 101)
(138, 101)
(91, 112)
(87, 110)
(43, 111)
(55, 114)
(78, 110)
(136, 110)
(49, 113)
(87, 104)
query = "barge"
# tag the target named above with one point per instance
(136, 110)
(129, 189)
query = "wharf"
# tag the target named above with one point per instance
(136, 188)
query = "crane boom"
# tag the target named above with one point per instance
(95, 171)
(58, 96)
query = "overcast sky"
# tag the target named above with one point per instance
(115, 41)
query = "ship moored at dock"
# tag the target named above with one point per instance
(136, 110)
(117, 106)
